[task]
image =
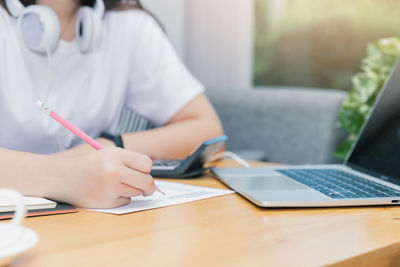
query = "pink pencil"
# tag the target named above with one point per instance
(69, 126)
(75, 130)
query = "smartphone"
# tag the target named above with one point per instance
(193, 165)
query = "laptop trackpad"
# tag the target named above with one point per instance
(266, 182)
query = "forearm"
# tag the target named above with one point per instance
(176, 140)
(25, 172)
(193, 124)
(100, 179)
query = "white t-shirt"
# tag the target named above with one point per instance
(134, 66)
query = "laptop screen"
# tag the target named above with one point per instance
(377, 150)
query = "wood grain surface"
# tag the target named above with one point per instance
(222, 231)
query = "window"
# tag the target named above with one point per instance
(318, 43)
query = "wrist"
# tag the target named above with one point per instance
(105, 142)
(58, 179)
(116, 139)
(48, 175)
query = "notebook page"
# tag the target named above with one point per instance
(32, 203)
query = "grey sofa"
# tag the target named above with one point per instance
(285, 125)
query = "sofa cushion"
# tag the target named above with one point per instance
(291, 125)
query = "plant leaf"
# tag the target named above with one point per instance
(365, 86)
(376, 67)
(351, 120)
(390, 46)
(343, 149)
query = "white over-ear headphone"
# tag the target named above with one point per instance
(39, 27)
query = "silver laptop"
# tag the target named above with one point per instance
(370, 175)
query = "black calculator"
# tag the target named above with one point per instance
(193, 165)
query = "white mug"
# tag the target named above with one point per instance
(14, 238)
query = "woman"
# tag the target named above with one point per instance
(133, 65)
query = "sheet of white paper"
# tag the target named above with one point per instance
(175, 193)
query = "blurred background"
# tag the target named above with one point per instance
(261, 43)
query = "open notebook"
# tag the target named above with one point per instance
(32, 203)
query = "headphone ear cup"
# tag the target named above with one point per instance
(87, 29)
(39, 27)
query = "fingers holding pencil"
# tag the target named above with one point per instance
(136, 161)
(140, 163)
(133, 169)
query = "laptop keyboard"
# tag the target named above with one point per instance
(339, 184)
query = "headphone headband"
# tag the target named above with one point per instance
(39, 27)
(15, 7)
(99, 8)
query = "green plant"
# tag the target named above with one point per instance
(376, 67)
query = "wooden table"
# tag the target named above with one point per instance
(223, 231)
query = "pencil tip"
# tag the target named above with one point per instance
(159, 190)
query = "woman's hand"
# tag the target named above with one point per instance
(106, 178)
